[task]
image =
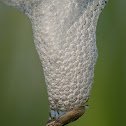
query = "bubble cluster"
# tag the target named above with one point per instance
(66, 42)
(65, 38)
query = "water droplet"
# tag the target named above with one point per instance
(87, 106)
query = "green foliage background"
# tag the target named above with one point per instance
(23, 97)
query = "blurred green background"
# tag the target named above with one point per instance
(23, 97)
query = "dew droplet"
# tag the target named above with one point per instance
(87, 106)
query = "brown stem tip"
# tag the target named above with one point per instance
(67, 117)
